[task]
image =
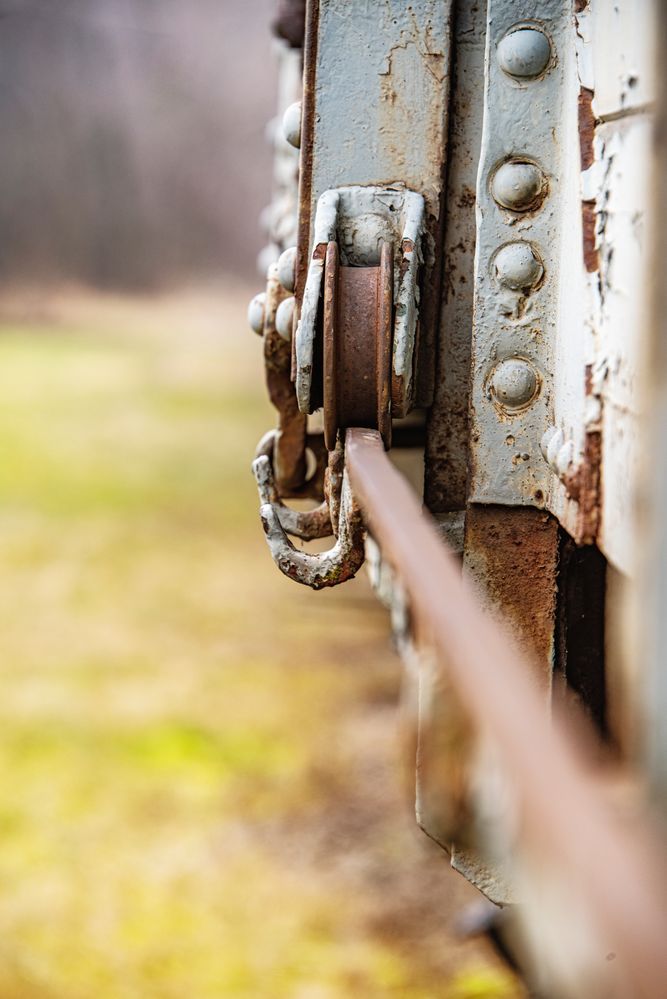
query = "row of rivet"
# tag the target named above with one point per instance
(285, 311)
(519, 186)
(291, 130)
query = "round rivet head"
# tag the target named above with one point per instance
(256, 313)
(287, 267)
(524, 53)
(518, 185)
(516, 266)
(514, 383)
(284, 318)
(292, 124)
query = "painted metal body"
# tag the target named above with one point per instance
(481, 173)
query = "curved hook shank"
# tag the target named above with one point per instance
(305, 524)
(328, 568)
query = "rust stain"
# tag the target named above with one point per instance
(584, 487)
(591, 256)
(512, 553)
(584, 483)
(306, 153)
(587, 123)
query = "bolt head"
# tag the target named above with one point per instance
(285, 318)
(292, 124)
(287, 268)
(518, 185)
(524, 53)
(516, 266)
(514, 383)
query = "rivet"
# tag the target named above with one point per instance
(517, 267)
(524, 52)
(284, 318)
(256, 313)
(518, 185)
(287, 267)
(514, 382)
(292, 124)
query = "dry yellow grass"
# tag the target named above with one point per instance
(200, 792)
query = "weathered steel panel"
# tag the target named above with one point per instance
(512, 555)
(520, 219)
(376, 97)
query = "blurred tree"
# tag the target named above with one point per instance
(133, 138)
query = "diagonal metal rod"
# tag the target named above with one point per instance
(564, 815)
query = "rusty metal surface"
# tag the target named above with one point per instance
(306, 153)
(330, 358)
(446, 455)
(304, 524)
(289, 457)
(562, 819)
(357, 345)
(512, 555)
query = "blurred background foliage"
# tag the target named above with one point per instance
(133, 138)
(202, 788)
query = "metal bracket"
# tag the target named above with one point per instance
(360, 220)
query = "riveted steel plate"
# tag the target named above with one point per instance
(519, 223)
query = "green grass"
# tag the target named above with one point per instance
(180, 725)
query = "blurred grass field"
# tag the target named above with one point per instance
(200, 784)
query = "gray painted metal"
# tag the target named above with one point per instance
(380, 109)
(519, 215)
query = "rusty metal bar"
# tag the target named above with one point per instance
(562, 796)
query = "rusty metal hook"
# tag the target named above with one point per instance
(339, 563)
(305, 524)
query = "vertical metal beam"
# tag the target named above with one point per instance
(375, 107)
(446, 457)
